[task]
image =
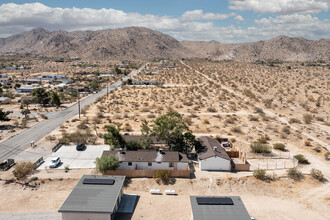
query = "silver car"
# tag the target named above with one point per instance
(54, 161)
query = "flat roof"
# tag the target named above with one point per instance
(222, 210)
(95, 198)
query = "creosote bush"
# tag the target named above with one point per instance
(301, 159)
(23, 169)
(279, 146)
(257, 147)
(163, 175)
(295, 174)
(260, 174)
(307, 118)
(317, 174)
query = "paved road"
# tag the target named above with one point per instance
(18, 143)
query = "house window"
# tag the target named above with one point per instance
(149, 164)
(159, 162)
(129, 163)
(171, 164)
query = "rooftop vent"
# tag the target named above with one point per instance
(215, 148)
(214, 201)
(99, 181)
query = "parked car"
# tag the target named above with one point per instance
(80, 146)
(54, 161)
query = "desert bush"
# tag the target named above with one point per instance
(317, 174)
(307, 118)
(105, 163)
(279, 146)
(257, 147)
(327, 156)
(43, 116)
(259, 174)
(253, 118)
(163, 175)
(211, 109)
(286, 130)
(82, 125)
(258, 110)
(308, 143)
(294, 120)
(301, 159)
(232, 140)
(264, 139)
(236, 130)
(23, 169)
(295, 174)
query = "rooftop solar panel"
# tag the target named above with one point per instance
(99, 181)
(214, 201)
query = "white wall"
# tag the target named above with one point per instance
(215, 163)
(155, 166)
(85, 216)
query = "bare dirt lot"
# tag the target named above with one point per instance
(282, 199)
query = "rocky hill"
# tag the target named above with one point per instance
(142, 43)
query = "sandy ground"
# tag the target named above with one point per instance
(282, 199)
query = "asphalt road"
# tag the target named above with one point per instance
(18, 143)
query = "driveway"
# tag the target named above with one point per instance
(76, 159)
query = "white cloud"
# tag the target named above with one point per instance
(200, 15)
(16, 18)
(239, 18)
(280, 6)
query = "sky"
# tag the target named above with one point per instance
(226, 21)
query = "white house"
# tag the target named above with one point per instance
(150, 160)
(213, 156)
(26, 89)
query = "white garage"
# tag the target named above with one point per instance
(213, 156)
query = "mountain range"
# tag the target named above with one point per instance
(142, 43)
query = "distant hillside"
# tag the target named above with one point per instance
(142, 43)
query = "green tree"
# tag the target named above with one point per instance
(26, 103)
(94, 85)
(55, 99)
(105, 163)
(3, 115)
(25, 112)
(171, 128)
(145, 134)
(113, 137)
(41, 96)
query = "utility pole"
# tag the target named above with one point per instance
(78, 102)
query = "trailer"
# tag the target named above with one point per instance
(7, 164)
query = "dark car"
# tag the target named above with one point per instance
(80, 146)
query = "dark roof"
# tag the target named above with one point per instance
(96, 198)
(147, 156)
(153, 139)
(226, 211)
(208, 150)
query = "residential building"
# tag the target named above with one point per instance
(5, 80)
(146, 83)
(213, 156)
(94, 198)
(150, 160)
(218, 207)
(26, 89)
(4, 100)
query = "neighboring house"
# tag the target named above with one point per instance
(26, 89)
(213, 156)
(30, 81)
(150, 160)
(5, 100)
(11, 68)
(154, 142)
(140, 83)
(218, 207)
(77, 89)
(53, 76)
(5, 80)
(94, 197)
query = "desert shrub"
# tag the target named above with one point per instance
(279, 146)
(163, 175)
(259, 174)
(257, 147)
(232, 140)
(211, 109)
(264, 139)
(258, 110)
(43, 116)
(307, 118)
(317, 174)
(327, 156)
(127, 127)
(82, 125)
(66, 169)
(236, 130)
(286, 130)
(105, 163)
(23, 169)
(308, 143)
(253, 118)
(294, 120)
(295, 174)
(301, 159)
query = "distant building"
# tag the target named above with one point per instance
(4, 100)
(94, 198)
(26, 89)
(53, 76)
(5, 80)
(218, 207)
(141, 83)
(213, 156)
(35, 80)
(10, 68)
(149, 160)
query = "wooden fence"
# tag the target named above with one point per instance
(147, 173)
